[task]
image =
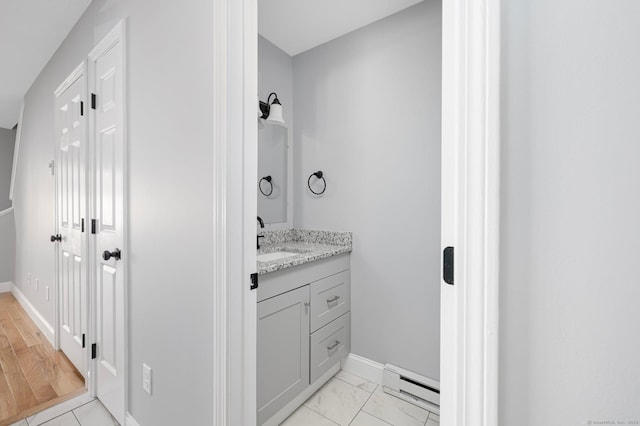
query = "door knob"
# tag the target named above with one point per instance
(109, 254)
(56, 237)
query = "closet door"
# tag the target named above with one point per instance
(71, 152)
(106, 70)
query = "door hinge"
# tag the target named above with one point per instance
(81, 108)
(93, 226)
(82, 230)
(94, 349)
(93, 101)
(84, 343)
(254, 281)
(447, 265)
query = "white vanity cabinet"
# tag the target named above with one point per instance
(304, 330)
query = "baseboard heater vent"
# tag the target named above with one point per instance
(411, 387)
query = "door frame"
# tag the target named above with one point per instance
(470, 207)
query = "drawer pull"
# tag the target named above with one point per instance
(333, 299)
(335, 345)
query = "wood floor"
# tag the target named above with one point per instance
(33, 374)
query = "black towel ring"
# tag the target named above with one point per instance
(268, 179)
(318, 175)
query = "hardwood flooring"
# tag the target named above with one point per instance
(33, 375)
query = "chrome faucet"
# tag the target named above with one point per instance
(261, 222)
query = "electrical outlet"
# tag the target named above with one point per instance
(146, 378)
(46, 292)
(37, 284)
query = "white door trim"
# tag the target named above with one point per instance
(470, 131)
(470, 211)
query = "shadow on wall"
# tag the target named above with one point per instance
(7, 224)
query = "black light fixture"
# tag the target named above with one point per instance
(271, 111)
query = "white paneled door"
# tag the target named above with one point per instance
(71, 147)
(106, 72)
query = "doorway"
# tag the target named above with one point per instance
(470, 151)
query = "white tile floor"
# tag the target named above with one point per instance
(80, 411)
(349, 400)
(345, 400)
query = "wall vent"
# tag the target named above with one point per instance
(411, 387)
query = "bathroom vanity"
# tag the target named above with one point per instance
(303, 316)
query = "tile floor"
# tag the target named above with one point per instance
(345, 400)
(80, 411)
(349, 400)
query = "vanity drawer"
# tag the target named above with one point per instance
(330, 345)
(330, 298)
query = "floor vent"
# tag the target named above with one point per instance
(411, 387)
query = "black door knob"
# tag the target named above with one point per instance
(56, 237)
(109, 254)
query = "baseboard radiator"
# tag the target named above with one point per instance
(411, 387)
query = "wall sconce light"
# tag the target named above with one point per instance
(272, 111)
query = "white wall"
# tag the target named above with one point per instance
(570, 273)
(367, 113)
(275, 74)
(170, 68)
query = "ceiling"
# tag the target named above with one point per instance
(30, 33)
(298, 25)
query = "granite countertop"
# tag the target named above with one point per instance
(309, 246)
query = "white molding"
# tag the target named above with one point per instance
(470, 211)
(78, 72)
(220, 377)
(130, 421)
(241, 61)
(6, 211)
(5, 287)
(39, 320)
(16, 152)
(364, 367)
(116, 35)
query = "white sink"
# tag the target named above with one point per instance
(268, 257)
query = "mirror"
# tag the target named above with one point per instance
(272, 172)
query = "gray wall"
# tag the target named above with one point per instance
(7, 142)
(367, 113)
(275, 74)
(169, 70)
(7, 226)
(570, 273)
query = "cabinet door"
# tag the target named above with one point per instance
(283, 350)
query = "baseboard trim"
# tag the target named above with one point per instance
(5, 287)
(363, 367)
(36, 317)
(130, 421)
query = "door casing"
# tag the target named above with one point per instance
(470, 208)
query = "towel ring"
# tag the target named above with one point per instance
(269, 181)
(318, 175)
